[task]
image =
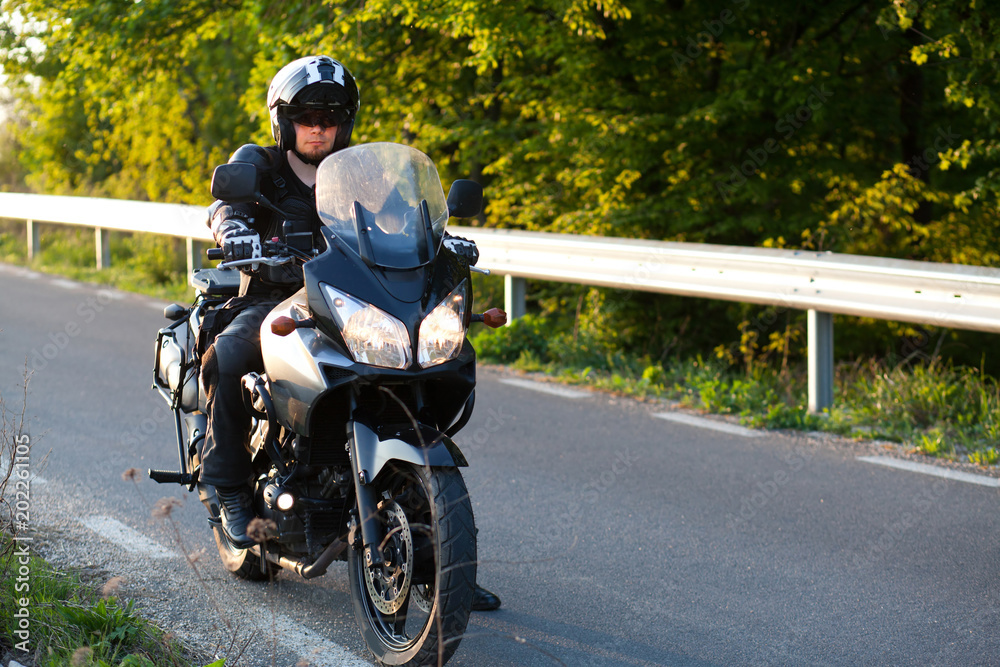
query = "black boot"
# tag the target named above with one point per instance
(237, 512)
(484, 600)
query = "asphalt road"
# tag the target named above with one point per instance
(614, 537)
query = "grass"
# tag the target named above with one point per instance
(148, 264)
(71, 622)
(934, 408)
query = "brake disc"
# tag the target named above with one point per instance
(389, 584)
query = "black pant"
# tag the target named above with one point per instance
(225, 459)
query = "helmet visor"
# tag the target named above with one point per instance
(311, 116)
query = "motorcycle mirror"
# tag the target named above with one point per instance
(175, 311)
(465, 199)
(235, 182)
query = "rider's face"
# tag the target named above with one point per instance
(315, 142)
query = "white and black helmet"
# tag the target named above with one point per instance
(313, 83)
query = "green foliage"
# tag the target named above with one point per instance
(506, 345)
(71, 624)
(986, 457)
(106, 626)
(13, 243)
(938, 408)
(128, 100)
(864, 127)
(146, 263)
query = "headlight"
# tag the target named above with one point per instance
(372, 335)
(443, 331)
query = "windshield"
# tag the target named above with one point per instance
(372, 197)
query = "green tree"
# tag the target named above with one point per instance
(862, 126)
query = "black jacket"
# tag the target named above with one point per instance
(284, 189)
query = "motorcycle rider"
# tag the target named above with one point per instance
(313, 103)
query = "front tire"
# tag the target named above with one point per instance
(414, 609)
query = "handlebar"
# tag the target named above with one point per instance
(268, 261)
(275, 253)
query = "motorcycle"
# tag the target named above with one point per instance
(368, 374)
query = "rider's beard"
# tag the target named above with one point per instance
(316, 152)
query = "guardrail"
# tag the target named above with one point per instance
(187, 222)
(822, 283)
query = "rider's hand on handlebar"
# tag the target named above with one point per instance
(462, 247)
(242, 244)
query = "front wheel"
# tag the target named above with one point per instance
(413, 609)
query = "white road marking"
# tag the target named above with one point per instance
(66, 284)
(157, 305)
(312, 648)
(926, 469)
(125, 537)
(20, 271)
(701, 422)
(5, 465)
(546, 388)
(111, 294)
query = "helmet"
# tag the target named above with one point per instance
(313, 82)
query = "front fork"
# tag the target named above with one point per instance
(371, 528)
(370, 455)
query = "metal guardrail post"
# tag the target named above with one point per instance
(513, 297)
(193, 255)
(34, 247)
(102, 239)
(820, 334)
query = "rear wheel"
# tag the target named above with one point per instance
(241, 562)
(413, 609)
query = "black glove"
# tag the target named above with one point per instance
(462, 247)
(241, 244)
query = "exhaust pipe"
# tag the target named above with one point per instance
(303, 568)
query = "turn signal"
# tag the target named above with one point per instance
(283, 325)
(494, 317)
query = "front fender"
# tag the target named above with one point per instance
(369, 454)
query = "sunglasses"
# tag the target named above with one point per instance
(311, 117)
